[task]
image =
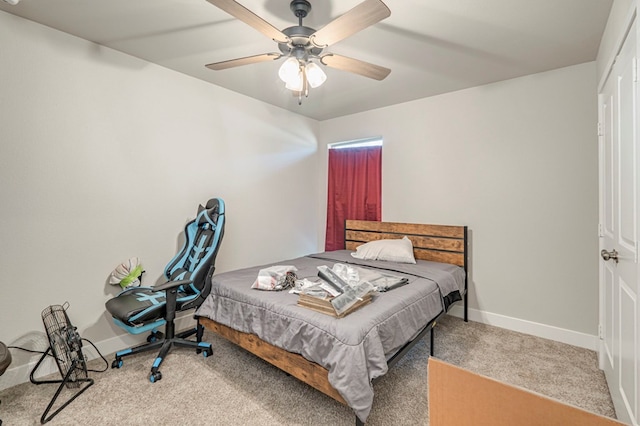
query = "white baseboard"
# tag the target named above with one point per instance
(557, 334)
(17, 374)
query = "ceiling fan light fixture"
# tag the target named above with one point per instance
(300, 44)
(315, 75)
(296, 84)
(289, 70)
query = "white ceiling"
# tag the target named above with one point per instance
(431, 46)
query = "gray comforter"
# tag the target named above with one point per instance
(354, 349)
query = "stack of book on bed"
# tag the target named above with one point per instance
(322, 303)
(333, 296)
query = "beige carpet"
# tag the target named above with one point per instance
(233, 387)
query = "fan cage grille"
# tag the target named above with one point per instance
(65, 344)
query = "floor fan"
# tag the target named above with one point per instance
(65, 345)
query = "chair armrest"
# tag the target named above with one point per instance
(170, 284)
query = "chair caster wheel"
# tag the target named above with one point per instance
(205, 353)
(154, 336)
(117, 363)
(154, 377)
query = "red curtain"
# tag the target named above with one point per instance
(354, 190)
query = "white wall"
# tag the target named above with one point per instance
(104, 156)
(516, 161)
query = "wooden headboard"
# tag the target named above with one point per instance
(438, 243)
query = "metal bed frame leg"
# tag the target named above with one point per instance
(466, 313)
(466, 277)
(431, 340)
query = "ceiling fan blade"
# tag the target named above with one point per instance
(237, 10)
(357, 19)
(355, 66)
(217, 66)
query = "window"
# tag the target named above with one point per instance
(354, 187)
(360, 143)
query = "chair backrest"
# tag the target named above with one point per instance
(196, 260)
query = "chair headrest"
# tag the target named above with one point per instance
(209, 214)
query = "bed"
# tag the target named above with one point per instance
(342, 357)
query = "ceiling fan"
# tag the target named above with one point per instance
(301, 45)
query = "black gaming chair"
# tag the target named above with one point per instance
(145, 309)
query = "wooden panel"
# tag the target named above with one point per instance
(435, 243)
(299, 367)
(440, 256)
(407, 228)
(432, 255)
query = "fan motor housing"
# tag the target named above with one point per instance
(299, 36)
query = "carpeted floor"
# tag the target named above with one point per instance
(233, 387)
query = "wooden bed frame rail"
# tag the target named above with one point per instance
(294, 364)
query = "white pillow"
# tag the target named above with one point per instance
(391, 250)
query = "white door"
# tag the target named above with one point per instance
(619, 355)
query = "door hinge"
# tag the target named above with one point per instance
(600, 336)
(600, 234)
(600, 132)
